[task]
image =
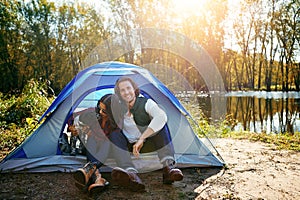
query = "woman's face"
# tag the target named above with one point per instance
(102, 110)
(127, 91)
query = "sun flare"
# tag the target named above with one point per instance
(189, 6)
(194, 6)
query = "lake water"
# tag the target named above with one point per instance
(276, 112)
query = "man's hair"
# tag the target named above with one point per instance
(126, 78)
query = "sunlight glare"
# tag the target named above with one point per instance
(189, 6)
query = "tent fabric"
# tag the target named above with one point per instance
(40, 151)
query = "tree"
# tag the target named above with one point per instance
(38, 21)
(11, 51)
(287, 30)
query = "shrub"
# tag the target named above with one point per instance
(19, 114)
(31, 103)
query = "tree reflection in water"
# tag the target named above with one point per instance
(261, 111)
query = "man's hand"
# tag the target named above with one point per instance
(137, 147)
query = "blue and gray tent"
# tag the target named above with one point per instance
(40, 152)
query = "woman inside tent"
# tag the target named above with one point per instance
(96, 126)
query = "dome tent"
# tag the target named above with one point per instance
(40, 152)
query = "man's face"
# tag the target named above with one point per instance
(127, 91)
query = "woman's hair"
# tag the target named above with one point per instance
(126, 78)
(107, 101)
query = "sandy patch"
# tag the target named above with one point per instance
(254, 171)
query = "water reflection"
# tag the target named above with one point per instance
(261, 111)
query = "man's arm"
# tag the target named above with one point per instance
(159, 119)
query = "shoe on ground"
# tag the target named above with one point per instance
(127, 179)
(83, 176)
(171, 174)
(99, 185)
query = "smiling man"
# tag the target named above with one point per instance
(144, 130)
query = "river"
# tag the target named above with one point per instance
(276, 112)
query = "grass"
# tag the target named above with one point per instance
(282, 141)
(285, 141)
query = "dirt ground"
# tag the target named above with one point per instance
(253, 171)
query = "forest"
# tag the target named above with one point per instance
(255, 45)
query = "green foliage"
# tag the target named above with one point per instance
(280, 140)
(19, 114)
(31, 103)
(12, 137)
(202, 126)
(46, 39)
